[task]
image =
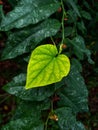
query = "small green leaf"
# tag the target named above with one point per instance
(86, 15)
(67, 119)
(46, 66)
(81, 27)
(80, 49)
(74, 6)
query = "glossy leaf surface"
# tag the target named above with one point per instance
(67, 119)
(24, 124)
(16, 87)
(74, 94)
(23, 40)
(23, 110)
(28, 116)
(46, 66)
(80, 48)
(28, 12)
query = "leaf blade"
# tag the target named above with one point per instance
(46, 66)
(75, 94)
(16, 87)
(22, 41)
(26, 13)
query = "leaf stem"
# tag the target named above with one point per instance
(46, 123)
(52, 41)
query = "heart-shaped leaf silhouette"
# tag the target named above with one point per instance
(46, 66)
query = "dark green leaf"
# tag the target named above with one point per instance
(66, 119)
(72, 17)
(86, 15)
(77, 64)
(81, 27)
(74, 94)
(68, 31)
(28, 116)
(86, 4)
(74, 6)
(16, 87)
(31, 109)
(79, 126)
(28, 12)
(24, 124)
(80, 48)
(26, 39)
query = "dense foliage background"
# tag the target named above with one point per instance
(26, 24)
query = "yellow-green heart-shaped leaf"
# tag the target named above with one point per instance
(46, 66)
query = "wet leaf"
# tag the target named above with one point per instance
(76, 63)
(74, 6)
(67, 119)
(28, 12)
(80, 48)
(31, 109)
(24, 40)
(24, 124)
(74, 94)
(16, 87)
(46, 66)
(79, 126)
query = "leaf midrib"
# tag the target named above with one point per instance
(23, 16)
(42, 70)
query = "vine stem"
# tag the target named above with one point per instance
(46, 123)
(62, 23)
(52, 41)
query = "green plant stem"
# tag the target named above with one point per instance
(46, 123)
(52, 41)
(62, 23)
